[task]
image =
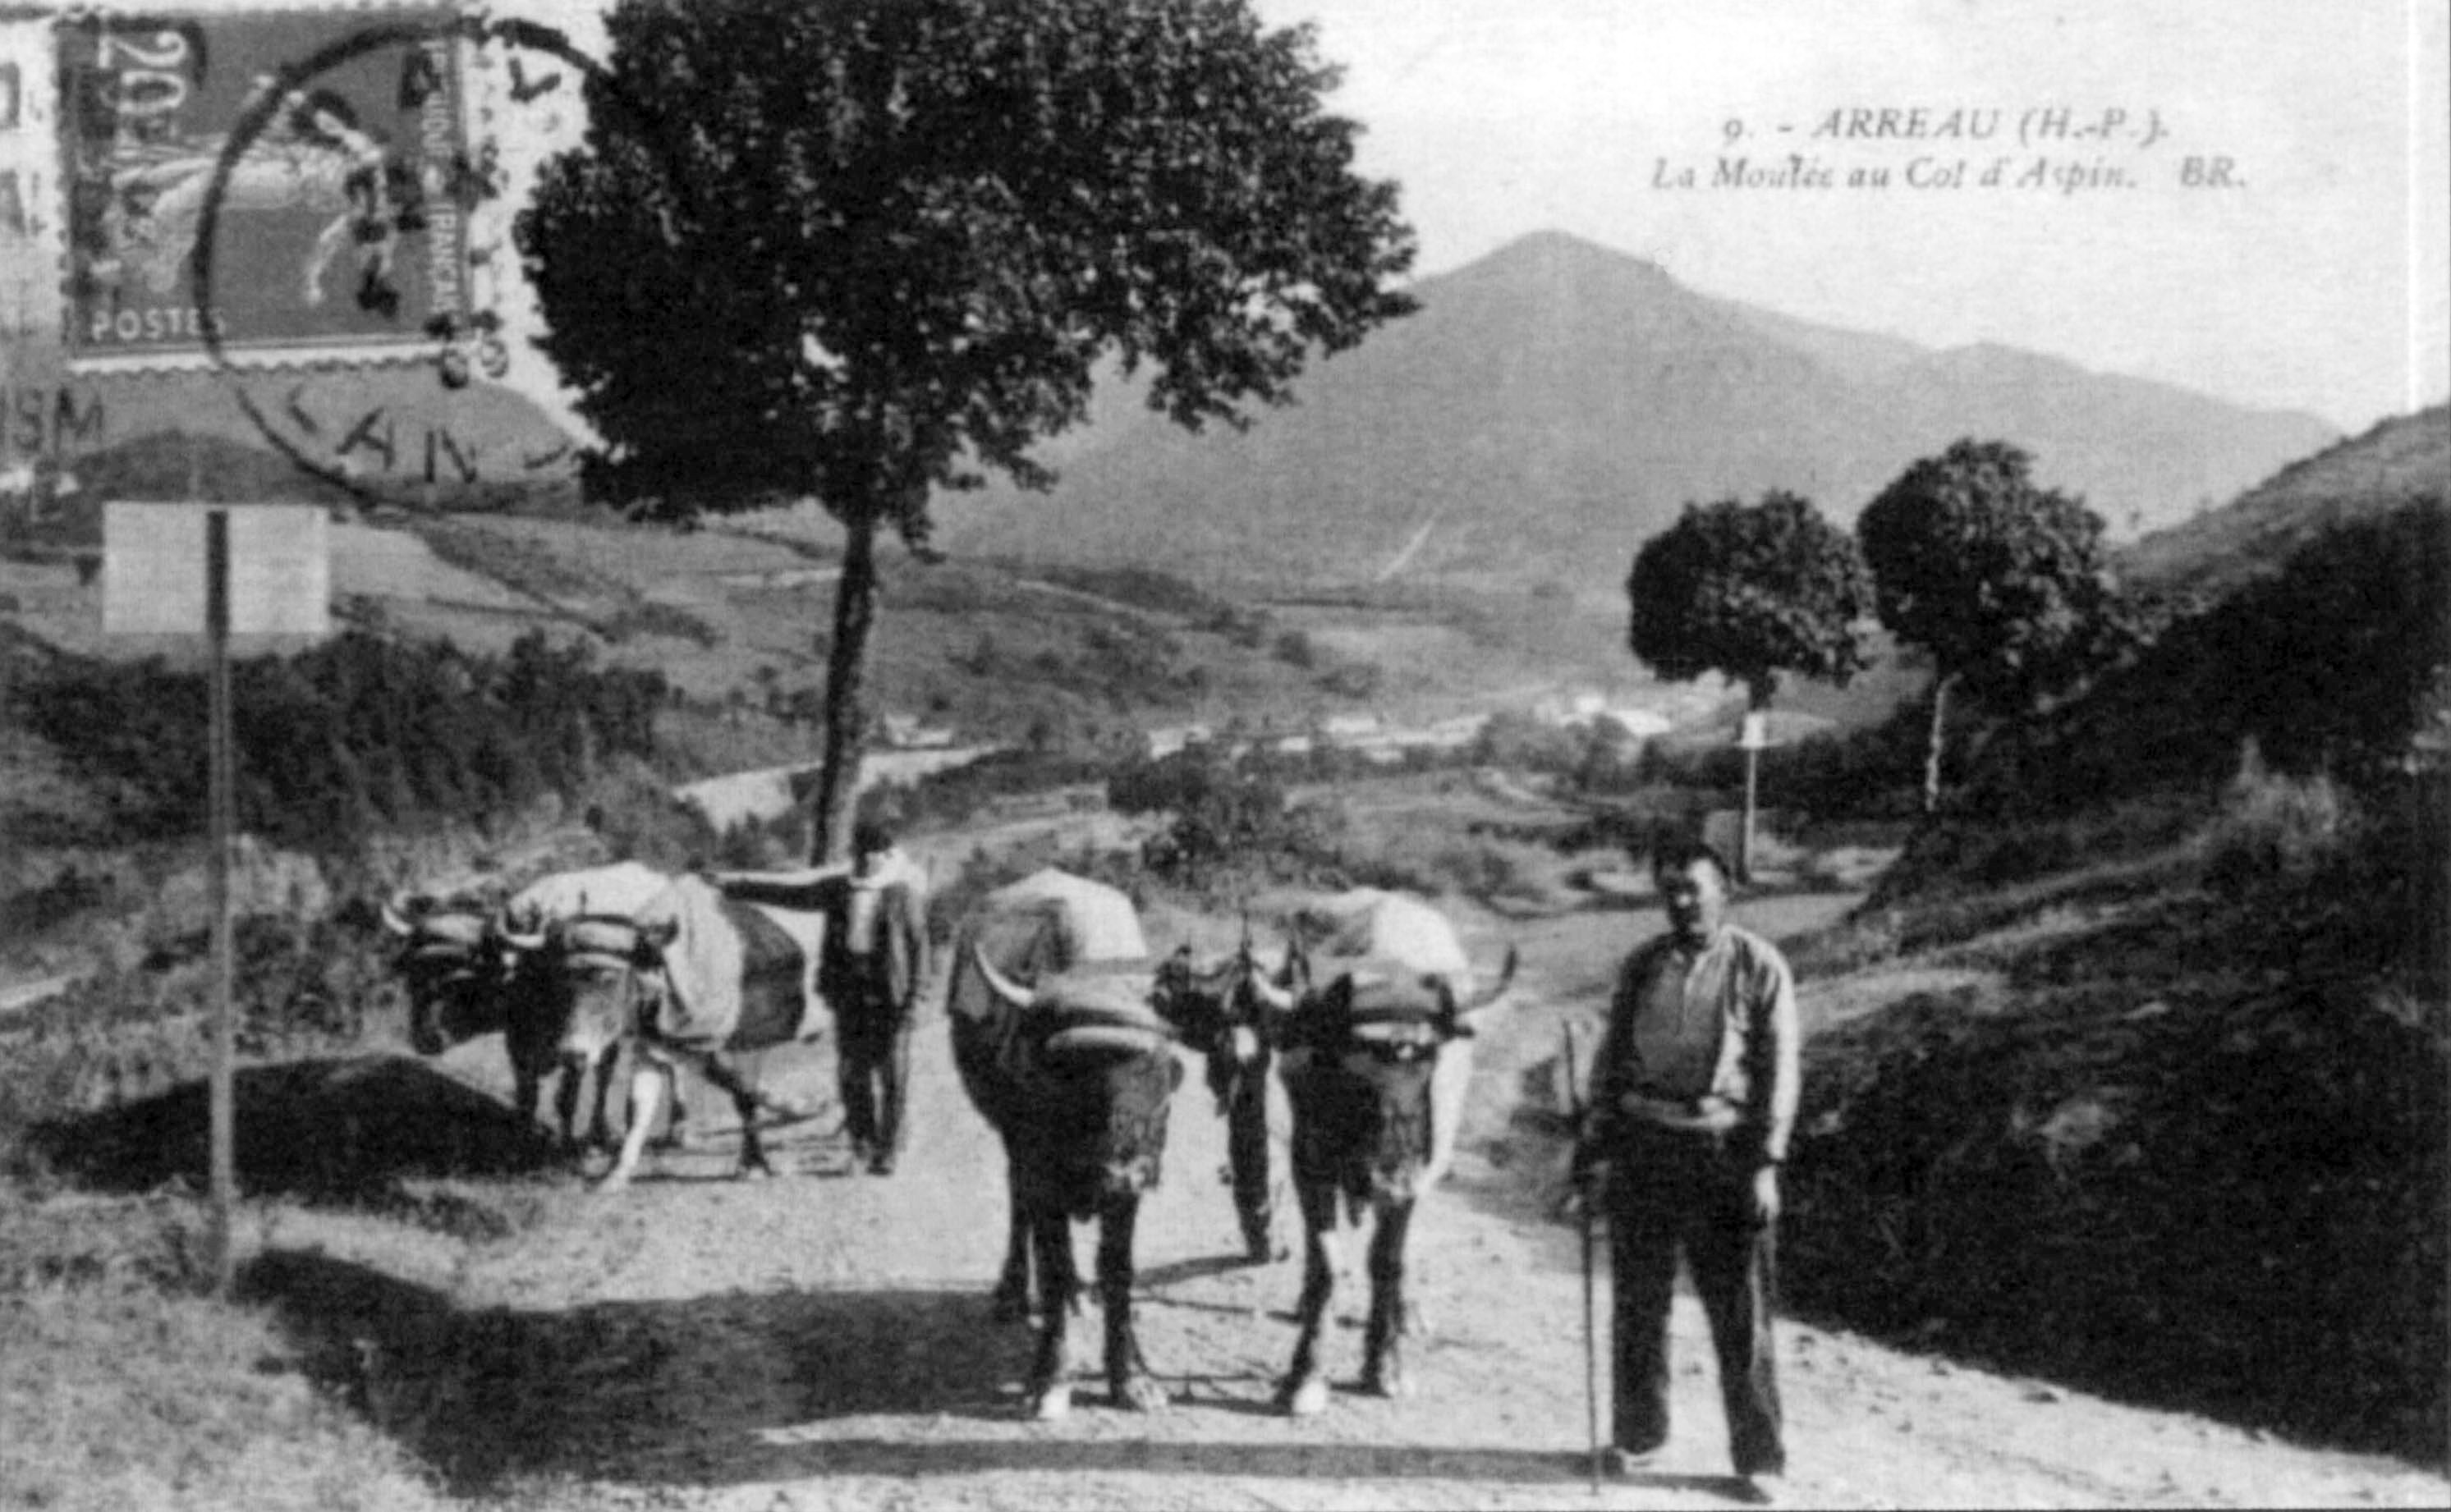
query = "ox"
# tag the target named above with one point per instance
(465, 978)
(1374, 1060)
(687, 973)
(1061, 1052)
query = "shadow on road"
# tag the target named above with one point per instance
(485, 1394)
(326, 1129)
(718, 1390)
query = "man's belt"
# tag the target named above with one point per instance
(1710, 1115)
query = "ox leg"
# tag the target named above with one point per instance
(753, 1165)
(565, 1100)
(647, 1086)
(1010, 1299)
(1128, 1374)
(1050, 1238)
(1382, 1369)
(675, 1134)
(600, 1133)
(744, 1101)
(1011, 1295)
(527, 1090)
(1303, 1390)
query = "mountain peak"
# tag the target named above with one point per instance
(1552, 254)
(1554, 401)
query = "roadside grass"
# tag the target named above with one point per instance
(124, 1383)
(217, 1412)
(2168, 1123)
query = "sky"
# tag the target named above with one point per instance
(2312, 277)
(2248, 198)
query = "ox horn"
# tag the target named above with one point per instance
(1494, 991)
(395, 914)
(1278, 997)
(1015, 996)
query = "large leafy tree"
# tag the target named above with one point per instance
(2004, 582)
(1749, 591)
(865, 250)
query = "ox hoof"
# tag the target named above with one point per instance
(1391, 1381)
(1053, 1404)
(611, 1182)
(1140, 1394)
(761, 1172)
(1412, 1322)
(1307, 1400)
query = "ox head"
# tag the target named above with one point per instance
(455, 967)
(1095, 1071)
(597, 976)
(1359, 1056)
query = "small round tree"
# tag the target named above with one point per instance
(2004, 582)
(1749, 591)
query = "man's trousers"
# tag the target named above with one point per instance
(873, 1072)
(1672, 1191)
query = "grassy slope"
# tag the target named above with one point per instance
(2115, 1124)
(2396, 460)
(2145, 1088)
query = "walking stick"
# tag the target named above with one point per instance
(1583, 1220)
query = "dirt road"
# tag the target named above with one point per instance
(823, 1342)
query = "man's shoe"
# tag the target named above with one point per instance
(1763, 1489)
(1626, 1463)
(882, 1165)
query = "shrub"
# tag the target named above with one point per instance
(357, 733)
(2328, 665)
(2275, 827)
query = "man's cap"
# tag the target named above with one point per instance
(1677, 854)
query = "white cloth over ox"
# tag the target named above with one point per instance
(723, 952)
(1052, 925)
(619, 891)
(1369, 934)
(709, 957)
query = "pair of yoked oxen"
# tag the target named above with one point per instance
(1065, 1032)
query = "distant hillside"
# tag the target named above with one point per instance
(2370, 474)
(1556, 402)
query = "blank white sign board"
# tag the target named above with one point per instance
(153, 569)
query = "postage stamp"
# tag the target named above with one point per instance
(324, 154)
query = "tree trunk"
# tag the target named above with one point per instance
(846, 711)
(1932, 752)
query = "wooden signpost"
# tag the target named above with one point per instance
(217, 571)
(1755, 736)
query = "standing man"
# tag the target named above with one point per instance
(873, 961)
(1694, 1093)
(1238, 1075)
